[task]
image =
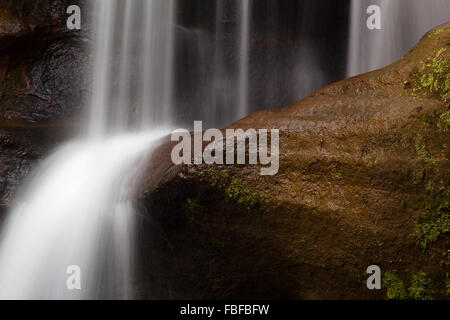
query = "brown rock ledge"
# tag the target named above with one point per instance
(347, 196)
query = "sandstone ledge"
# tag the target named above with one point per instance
(347, 196)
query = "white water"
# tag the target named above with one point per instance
(404, 22)
(78, 209)
(132, 66)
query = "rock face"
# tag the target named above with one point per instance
(41, 83)
(363, 180)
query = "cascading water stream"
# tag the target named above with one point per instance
(404, 22)
(78, 209)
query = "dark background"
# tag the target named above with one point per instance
(296, 47)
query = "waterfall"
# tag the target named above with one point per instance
(230, 88)
(243, 58)
(77, 210)
(134, 42)
(404, 22)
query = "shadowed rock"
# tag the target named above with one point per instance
(42, 84)
(355, 161)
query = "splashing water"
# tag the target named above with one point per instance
(404, 22)
(78, 209)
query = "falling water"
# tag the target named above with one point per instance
(222, 100)
(132, 66)
(244, 57)
(230, 88)
(404, 22)
(78, 208)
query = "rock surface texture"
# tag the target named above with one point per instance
(363, 180)
(42, 84)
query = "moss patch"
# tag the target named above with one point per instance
(435, 33)
(421, 287)
(421, 147)
(418, 176)
(435, 222)
(448, 285)
(192, 210)
(236, 190)
(432, 77)
(394, 286)
(444, 121)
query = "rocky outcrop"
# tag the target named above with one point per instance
(41, 62)
(363, 180)
(42, 83)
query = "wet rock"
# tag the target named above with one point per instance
(42, 84)
(346, 197)
(11, 27)
(22, 146)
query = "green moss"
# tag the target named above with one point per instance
(240, 192)
(192, 210)
(444, 121)
(418, 176)
(433, 77)
(339, 173)
(444, 152)
(448, 286)
(428, 120)
(236, 190)
(435, 222)
(435, 33)
(372, 163)
(216, 178)
(313, 203)
(447, 276)
(421, 287)
(394, 286)
(403, 204)
(421, 147)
